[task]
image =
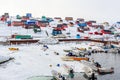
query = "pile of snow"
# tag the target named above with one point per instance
(3, 39)
(4, 58)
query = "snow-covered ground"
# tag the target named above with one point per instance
(31, 60)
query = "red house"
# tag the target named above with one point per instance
(17, 23)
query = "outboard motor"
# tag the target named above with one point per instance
(70, 54)
(89, 53)
(106, 51)
(97, 65)
(93, 76)
(118, 50)
(92, 51)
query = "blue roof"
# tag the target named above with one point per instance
(82, 24)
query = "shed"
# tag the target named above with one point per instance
(68, 18)
(82, 24)
(42, 23)
(25, 18)
(31, 22)
(18, 23)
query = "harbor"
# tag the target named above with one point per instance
(58, 49)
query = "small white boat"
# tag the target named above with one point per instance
(55, 74)
(90, 74)
(105, 70)
(90, 64)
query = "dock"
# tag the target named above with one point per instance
(23, 41)
(90, 40)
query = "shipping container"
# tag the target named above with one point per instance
(23, 37)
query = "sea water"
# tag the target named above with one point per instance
(108, 60)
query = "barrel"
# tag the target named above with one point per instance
(77, 36)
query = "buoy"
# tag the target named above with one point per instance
(92, 51)
(58, 65)
(56, 53)
(106, 51)
(50, 65)
(95, 51)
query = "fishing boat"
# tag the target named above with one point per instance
(80, 58)
(66, 58)
(105, 70)
(74, 58)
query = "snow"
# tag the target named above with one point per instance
(31, 60)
